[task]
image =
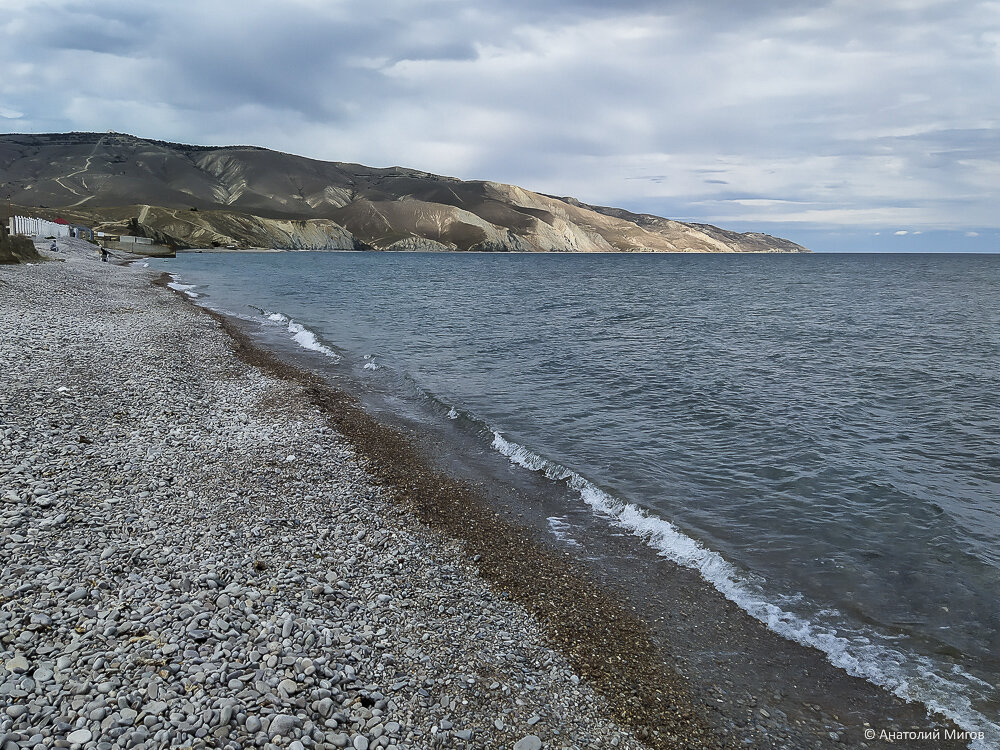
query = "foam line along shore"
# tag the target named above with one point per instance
(193, 556)
(788, 708)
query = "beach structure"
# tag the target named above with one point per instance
(126, 239)
(34, 227)
(81, 232)
(132, 244)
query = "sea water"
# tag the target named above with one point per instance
(817, 435)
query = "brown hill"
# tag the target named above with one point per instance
(197, 196)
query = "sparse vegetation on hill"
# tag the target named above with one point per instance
(243, 196)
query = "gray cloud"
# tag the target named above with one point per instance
(810, 114)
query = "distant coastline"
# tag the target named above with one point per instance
(185, 197)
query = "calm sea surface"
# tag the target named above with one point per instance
(819, 435)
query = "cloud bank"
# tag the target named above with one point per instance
(805, 115)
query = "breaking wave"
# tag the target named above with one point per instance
(861, 654)
(301, 335)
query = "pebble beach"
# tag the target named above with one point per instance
(192, 556)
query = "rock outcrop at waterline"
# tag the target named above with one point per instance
(199, 196)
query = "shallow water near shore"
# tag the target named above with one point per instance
(818, 436)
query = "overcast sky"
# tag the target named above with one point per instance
(851, 124)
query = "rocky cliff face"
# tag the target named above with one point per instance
(194, 196)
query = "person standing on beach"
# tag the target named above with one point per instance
(104, 255)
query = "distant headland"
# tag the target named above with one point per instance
(249, 197)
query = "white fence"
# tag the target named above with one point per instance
(29, 226)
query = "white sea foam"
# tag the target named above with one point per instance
(307, 339)
(560, 529)
(184, 288)
(300, 334)
(453, 413)
(370, 365)
(861, 654)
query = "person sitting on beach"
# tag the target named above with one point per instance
(54, 247)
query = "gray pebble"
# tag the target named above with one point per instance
(80, 736)
(17, 664)
(282, 724)
(530, 742)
